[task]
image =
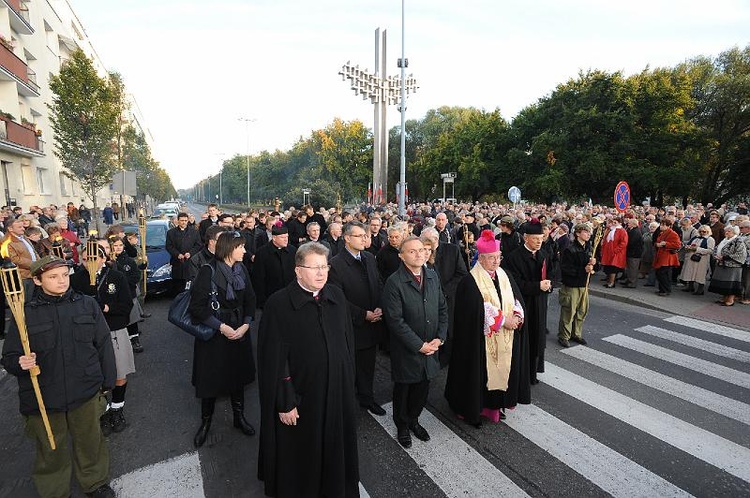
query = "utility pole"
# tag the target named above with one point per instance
(247, 155)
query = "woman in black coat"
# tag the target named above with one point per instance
(224, 364)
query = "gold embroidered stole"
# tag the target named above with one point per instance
(499, 346)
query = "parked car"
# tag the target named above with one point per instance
(164, 213)
(159, 273)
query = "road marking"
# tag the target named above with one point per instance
(363, 492)
(694, 342)
(700, 443)
(608, 469)
(697, 395)
(709, 368)
(457, 468)
(177, 477)
(711, 328)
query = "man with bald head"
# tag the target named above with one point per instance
(443, 228)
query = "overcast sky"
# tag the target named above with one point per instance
(197, 67)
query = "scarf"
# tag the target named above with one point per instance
(235, 278)
(612, 231)
(499, 346)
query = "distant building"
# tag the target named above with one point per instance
(35, 39)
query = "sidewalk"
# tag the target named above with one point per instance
(678, 303)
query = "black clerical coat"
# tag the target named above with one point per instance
(362, 287)
(273, 269)
(306, 360)
(451, 269)
(388, 261)
(466, 386)
(179, 242)
(527, 272)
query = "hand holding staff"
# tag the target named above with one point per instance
(92, 255)
(14, 295)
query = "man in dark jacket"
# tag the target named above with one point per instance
(576, 263)
(182, 243)
(388, 258)
(379, 237)
(68, 336)
(509, 238)
(297, 231)
(273, 268)
(212, 219)
(417, 317)
(355, 272)
(308, 439)
(318, 218)
(634, 251)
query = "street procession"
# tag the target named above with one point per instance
(504, 294)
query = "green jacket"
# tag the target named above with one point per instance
(413, 317)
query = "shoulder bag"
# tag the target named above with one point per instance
(180, 316)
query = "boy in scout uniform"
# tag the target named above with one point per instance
(70, 342)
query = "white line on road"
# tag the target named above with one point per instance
(700, 443)
(608, 469)
(457, 468)
(711, 328)
(177, 477)
(709, 368)
(702, 397)
(695, 342)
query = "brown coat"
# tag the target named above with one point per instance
(667, 255)
(19, 255)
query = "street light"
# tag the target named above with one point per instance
(247, 155)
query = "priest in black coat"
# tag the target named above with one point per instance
(273, 267)
(308, 438)
(531, 268)
(182, 243)
(476, 387)
(354, 271)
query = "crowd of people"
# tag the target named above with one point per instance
(463, 287)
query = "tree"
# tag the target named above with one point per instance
(84, 117)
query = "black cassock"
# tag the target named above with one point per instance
(466, 386)
(306, 360)
(527, 272)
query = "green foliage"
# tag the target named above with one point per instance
(84, 117)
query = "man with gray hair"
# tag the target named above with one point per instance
(745, 237)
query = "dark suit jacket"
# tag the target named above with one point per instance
(450, 268)
(378, 241)
(273, 269)
(362, 287)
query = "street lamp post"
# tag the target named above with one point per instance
(403, 62)
(247, 155)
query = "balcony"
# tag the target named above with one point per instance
(20, 139)
(15, 69)
(19, 17)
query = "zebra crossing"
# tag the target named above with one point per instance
(704, 353)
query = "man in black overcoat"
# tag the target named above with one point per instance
(451, 269)
(531, 269)
(211, 220)
(379, 237)
(273, 267)
(297, 229)
(308, 438)
(355, 272)
(388, 259)
(182, 243)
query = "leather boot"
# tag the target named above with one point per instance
(699, 290)
(690, 287)
(238, 410)
(207, 413)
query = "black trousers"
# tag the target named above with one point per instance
(408, 402)
(664, 278)
(365, 374)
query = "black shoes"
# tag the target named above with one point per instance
(105, 422)
(242, 424)
(118, 420)
(404, 438)
(375, 409)
(102, 492)
(145, 315)
(420, 432)
(579, 340)
(202, 434)
(563, 342)
(136, 343)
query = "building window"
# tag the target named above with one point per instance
(40, 180)
(27, 179)
(63, 185)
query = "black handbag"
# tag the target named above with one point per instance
(695, 257)
(180, 316)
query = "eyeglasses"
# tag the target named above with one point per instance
(359, 236)
(322, 268)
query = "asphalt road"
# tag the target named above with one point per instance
(646, 409)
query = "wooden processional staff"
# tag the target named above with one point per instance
(143, 256)
(14, 296)
(92, 254)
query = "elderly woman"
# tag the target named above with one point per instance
(647, 258)
(614, 251)
(55, 237)
(697, 257)
(665, 256)
(689, 232)
(730, 256)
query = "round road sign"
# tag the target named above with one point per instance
(622, 197)
(514, 194)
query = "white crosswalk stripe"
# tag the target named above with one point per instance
(697, 395)
(611, 471)
(695, 342)
(700, 443)
(705, 367)
(710, 328)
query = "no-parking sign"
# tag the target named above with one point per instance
(622, 197)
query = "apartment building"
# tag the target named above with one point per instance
(36, 37)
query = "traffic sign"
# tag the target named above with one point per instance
(514, 194)
(622, 197)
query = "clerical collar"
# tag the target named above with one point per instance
(314, 293)
(529, 249)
